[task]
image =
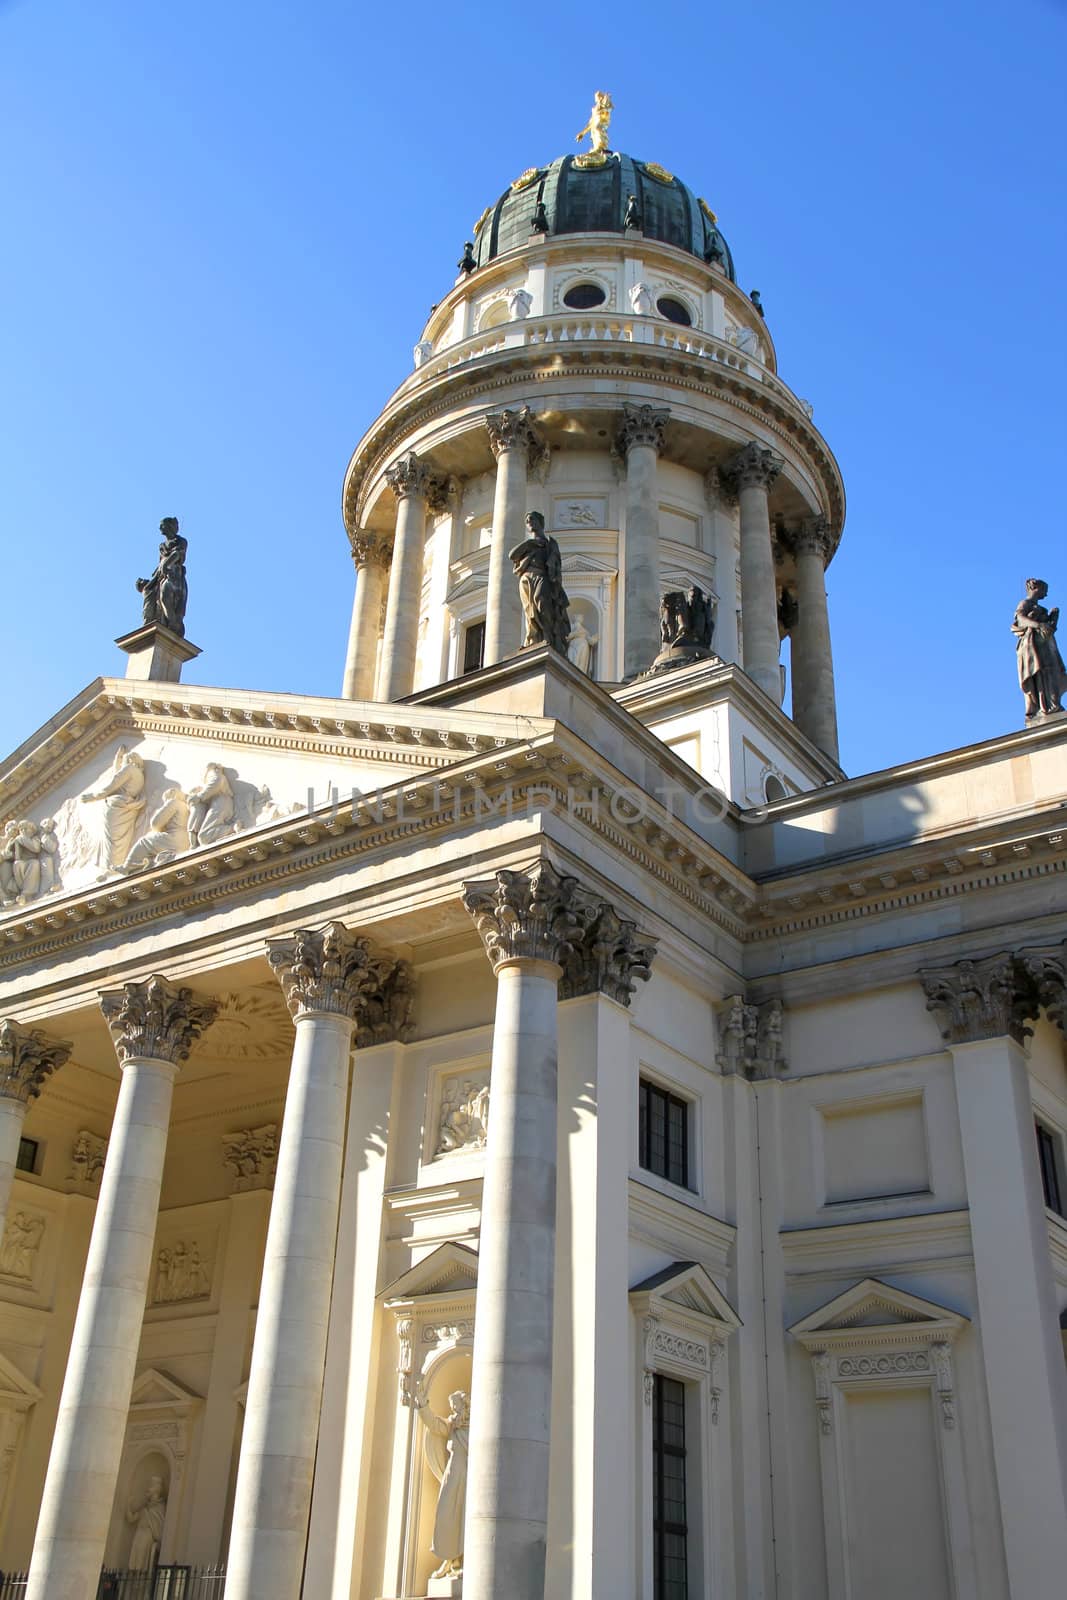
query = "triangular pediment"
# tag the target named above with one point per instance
(688, 1287)
(102, 771)
(586, 563)
(153, 1390)
(16, 1390)
(872, 1304)
(450, 1269)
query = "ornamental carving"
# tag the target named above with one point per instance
(754, 466)
(87, 1158)
(250, 1155)
(642, 425)
(750, 1038)
(545, 915)
(718, 490)
(514, 430)
(410, 476)
(334, 970)
(979, 1000)
(27, 1057)
(20, 1244)
(29, 861)
(463, 1121)
(1046, 974)
(181, 1274)
(370, 549)
(155, 1020)
(813, 538)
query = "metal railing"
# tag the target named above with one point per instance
(174, 1581)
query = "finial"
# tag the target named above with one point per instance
(597, 129)
(754, 296)
(467, 263)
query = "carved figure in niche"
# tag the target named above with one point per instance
(123, 801)
(539, 569)
(196, 1283)
(211, 809)
(464, 1122)
(167, 836)
(641, 300)
(180, 1274)
(165, 594)
(1042, 675)
(148, 1519)
(519, 303)
(447, 1443)
(580, 645)
(22, 1239)
(87, 1157)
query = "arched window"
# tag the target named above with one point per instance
(774, 788)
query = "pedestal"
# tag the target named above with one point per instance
(156, 655)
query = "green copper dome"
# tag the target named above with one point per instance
(579, 197)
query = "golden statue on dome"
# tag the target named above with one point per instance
(597, 129)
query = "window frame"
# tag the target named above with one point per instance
(646, 1088)
(470, 630)
(30, 1144)
(660, 1526)
(1050, 1166)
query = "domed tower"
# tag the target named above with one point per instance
(596, 361)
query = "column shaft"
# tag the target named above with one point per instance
(511, 1389)
(12, 1118)
(90, 1428)
(814, 703)
(401, 638)
(759, 605)
(273, 1496)
(640, 560)
(503, 610)
(1026, 1380)
(366, 615)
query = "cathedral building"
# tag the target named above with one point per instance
(531, 1127)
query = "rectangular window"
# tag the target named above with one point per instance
(473, 646)
(1049, 1157)
(669, 1528)
(26, 1161)
(663, 1136)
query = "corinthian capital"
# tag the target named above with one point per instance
(753, 465)
(514, 430)
(978, 1000)
(1046, 973)
(411, 475)
(27, 1056)
(642, 425)
(370, 549)
(155, 1019)
(526, 916)
(813, 538)
(609, 956)
(334, 970)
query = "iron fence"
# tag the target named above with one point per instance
(174, 1581)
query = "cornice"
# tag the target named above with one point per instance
(405, 415)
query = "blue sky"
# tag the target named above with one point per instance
(226, 224)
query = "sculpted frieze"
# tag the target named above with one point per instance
(463, 1120)
(20, 1245)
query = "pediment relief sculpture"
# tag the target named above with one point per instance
(463, 1121)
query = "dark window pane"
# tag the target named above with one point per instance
(669, 1527)
(473, 646)
(674, 310)
(26, 1160)
(1047, 1155)
(584, 296)
(663, 1138)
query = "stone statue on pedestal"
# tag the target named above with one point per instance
(148, 1519)
(1042, 675)
(447, 1440)
(165, 594)
(580, 645)
(539, 569)
(686, 622)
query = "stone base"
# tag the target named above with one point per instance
(156, 655)
(450, 1588)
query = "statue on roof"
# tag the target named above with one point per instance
(598, 124)
(1042, 675)
(165, 594)
(539, 569)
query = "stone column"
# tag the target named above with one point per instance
(337, 987)
(27, 1056)
(750, 473)
(981, 1008)
(814, 704)
(371, 556)
(537, 926)
(516, 444)
(639, 439)
(154, 1026)
(411, 480)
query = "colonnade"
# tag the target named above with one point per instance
(546, 937)
(518, 447)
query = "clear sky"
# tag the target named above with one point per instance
(226, 222)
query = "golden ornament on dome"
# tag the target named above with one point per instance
(708, 212)
(660, 174)
(524, 179)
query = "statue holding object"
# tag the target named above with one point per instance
(165, 594)
(539, 569)
(1042, 675)
(686, 624)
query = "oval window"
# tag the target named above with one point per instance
(584, 296)
(674, 310)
